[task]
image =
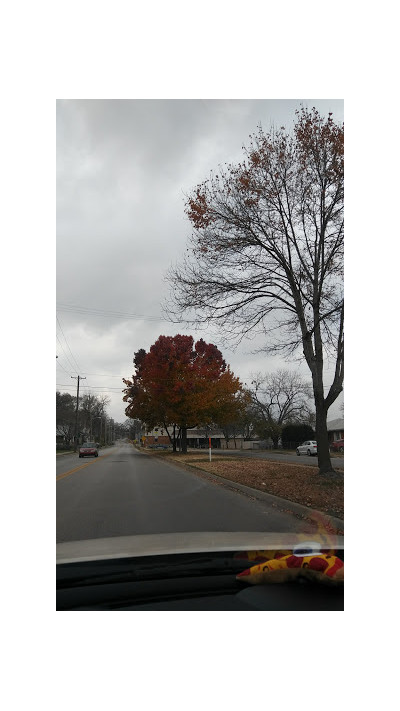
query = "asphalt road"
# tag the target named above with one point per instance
(124, 492)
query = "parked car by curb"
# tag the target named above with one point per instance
(309, 447)
(337, 446)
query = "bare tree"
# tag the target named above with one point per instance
(92, 412)
(279, 398)
(65, 416)
(266, 253)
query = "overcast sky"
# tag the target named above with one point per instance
(123, 169)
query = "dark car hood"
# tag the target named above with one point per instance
(190, 542)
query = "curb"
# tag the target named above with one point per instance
(296, 508)
(280, 502)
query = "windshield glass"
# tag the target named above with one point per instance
(200, 331)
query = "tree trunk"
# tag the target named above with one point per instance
(173, 438)
(321, 403)
(321, 433)
(184, 440)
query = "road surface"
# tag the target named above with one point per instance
(125, 492)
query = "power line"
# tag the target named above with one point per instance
(105, 375)
(72, 367)
(91, 387)
(68, 344)
(61, 366)
(101, 388)
(85, 310)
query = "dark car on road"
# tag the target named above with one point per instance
(88, 449)
(337, 446)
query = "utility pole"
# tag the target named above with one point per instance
(76, 411)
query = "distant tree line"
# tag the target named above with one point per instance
(94, 423)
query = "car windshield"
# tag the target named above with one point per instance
(197, 300)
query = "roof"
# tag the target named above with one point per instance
(335, 424)
(201, 432)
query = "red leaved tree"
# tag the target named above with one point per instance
(181, 384)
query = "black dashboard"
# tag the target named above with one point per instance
(183, 582)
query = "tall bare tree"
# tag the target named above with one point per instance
(92, 413)
(279, 398)
(266, 253)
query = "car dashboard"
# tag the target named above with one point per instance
(201, 581)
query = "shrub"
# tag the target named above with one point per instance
(295, 434)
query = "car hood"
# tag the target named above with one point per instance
(190, 542)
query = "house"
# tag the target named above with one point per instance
(197, 438)
(335, 429)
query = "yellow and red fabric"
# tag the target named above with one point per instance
(279, 566)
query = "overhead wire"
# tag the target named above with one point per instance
(91, 387)
(73, 357)
(95, 312)
(90, 311)
(104, 375)
(61, 366)
(72, 367)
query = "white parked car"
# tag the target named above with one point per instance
(309, 447)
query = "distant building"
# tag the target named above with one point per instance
(196, 438)
(335, 429)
